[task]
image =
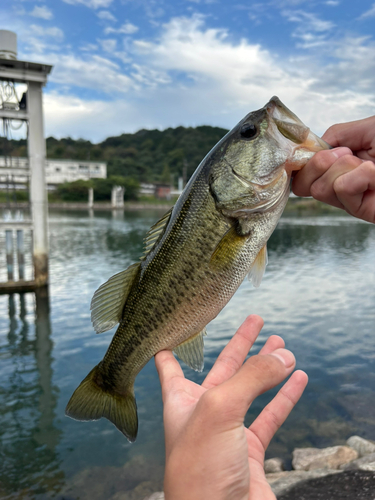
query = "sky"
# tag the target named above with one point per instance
(123, 65)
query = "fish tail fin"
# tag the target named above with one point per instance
(90, 401)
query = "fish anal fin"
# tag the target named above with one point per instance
(156, 232)
(191, 351)
(109, 299)
(91, 402)
(258, 268)
(227, 249)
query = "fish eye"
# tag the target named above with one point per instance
(248, 130)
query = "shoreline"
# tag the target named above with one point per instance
(295, 206)
(108, 207)
(333, 473)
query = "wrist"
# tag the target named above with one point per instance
(205, 476)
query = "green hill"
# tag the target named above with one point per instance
(147, 155)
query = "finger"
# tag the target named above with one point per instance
(356, 191)
(168, 368)
(323, 188)
(234, 354)
(357, 135)
(315, 168)
(228, 403)
(274, 342)
(276, 412)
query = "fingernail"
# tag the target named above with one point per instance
(285, 356)
(338, 152)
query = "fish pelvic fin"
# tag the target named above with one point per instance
(258, 267)
(191, 351)
(90, 401)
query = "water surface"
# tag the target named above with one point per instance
(318, 294)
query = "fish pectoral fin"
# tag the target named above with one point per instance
(155, 232)
(227, 249)
(259, 266)
(191, 351)
(109, 299)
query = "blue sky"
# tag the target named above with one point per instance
(123, 65)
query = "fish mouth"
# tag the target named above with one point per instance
(304, 142)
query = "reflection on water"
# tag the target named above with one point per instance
(29, 436)
(318, 293)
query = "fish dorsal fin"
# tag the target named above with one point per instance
(259, 266)
(191, 351)
(109, 299)
(155, 232)
(227, 249)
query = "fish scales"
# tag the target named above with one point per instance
(196, 258)
(172, 312)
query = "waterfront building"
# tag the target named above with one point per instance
(56, 171)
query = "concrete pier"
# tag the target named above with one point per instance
(38, 192)
(28, 109)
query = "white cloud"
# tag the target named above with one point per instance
(310, 40)
(93, 72)
(89, 47)
(43, 12)
(108, 45)
(96, 119)
(369, 13)
(353, 56)
(209, 61)
(92, 4)
(196, 75)
(41, 32)
(150, 77)
(125, 29)
(311, 30)
(105, 15)
(308, 20)
(333, 3)
(287, 3)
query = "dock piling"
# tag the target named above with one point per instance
(20, 255)
(9, 253)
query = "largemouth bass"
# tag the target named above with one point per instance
(195, 258)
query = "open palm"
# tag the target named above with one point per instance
(209, 451)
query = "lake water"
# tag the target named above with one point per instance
(318, 294)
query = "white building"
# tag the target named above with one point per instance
(57, 171)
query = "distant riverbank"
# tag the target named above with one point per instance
(134, 205)
(295, 206)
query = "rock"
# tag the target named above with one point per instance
(361, 446)
(273, 465)
(159, 495)
(364, 463)
(282, 482)
(369, 467)
(326, 458)
(347, 485)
